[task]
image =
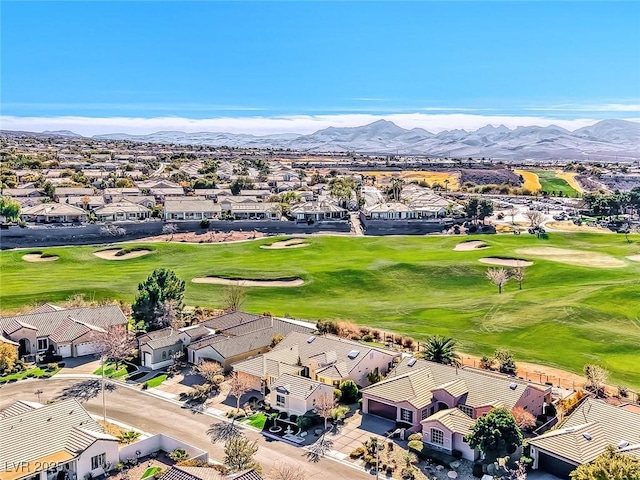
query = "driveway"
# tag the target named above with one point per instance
(155, 415)
(80, 365)
(357, 430)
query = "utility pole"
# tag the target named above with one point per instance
(104, 403)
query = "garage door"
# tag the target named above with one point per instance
(382, 409)
(87, 349)
(555, 466)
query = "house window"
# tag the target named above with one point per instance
(437, 436)
(164, 354)
(406, 415)
(425, 413)
(467, 410)
(280, 400)
(43, 344)
(98, 461)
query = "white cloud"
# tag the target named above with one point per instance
(278, 124)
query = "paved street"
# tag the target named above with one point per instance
(155, 415)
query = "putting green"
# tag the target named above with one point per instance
(565, 316)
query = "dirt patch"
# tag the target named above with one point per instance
(570, 178)
(531, 180)
(112, 254)
(579, 258)
(506, 262)
(37, 257)
(206, 237)
(568, 226)
(470, 245)
(292, 243)
(245, 282)
(634, 258)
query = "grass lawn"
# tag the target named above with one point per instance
(257, 420)
(35, 372)
(155, 381)
(111, 372)
(564, 317)
(550, 182)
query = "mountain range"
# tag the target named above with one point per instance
(605, 140)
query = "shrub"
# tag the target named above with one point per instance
(415, 446)
(304, 422)
(337, 394)
(358, 452)
(52, 366)
(205, 223)
(415, 436)
(349, 391)
(367, 338)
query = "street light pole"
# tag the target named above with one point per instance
(104, 403)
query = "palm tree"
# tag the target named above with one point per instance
(441, 349)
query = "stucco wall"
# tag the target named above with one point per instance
(160, 442)
(110, 447)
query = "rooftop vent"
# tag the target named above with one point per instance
(513, 385)
(587, 436)
(623, 443)
(412, 362)
(311, 339)
(353, 354)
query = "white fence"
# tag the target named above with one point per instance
(158, 442)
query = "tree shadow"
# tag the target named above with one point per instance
(85, 390)
(319, 449)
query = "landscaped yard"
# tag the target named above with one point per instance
(565, 316)
(257, 420)
(111, 372)
(35, 372)
(155, 381)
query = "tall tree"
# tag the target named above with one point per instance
(239, 384)
(609, 465)
(115, 344)
(498, 276)
(485, 209)
(8, 356)
(9, 208)
(506, 364)
(596, 378)
(234, 298)
(518, 275)
(495, 434)
(238, 454)
(161, 286)
(441, 349)
(324, 405)
(535, 218)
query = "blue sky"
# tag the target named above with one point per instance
(250, 63)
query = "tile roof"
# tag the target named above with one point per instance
(604, 425)
(46, 307)
(300, 387)
(205, 473)
(49, 322)
(453, 419)
(229, 320)
(19, 407)
(160, 338)
(263, 365)
(328, 350)
(123, 206)
(190, 204)
(196, 331)
(40, 432)
(70, 329)
(422, 377)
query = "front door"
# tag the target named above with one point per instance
(24, 348)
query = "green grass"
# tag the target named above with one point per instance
(35, 372)
(550, 183)
(111, 372)
(155, 381)
(564, 317)
(150, 472)
(257, 420)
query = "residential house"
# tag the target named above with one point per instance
(86, 203)
(425, 396)
(239, 336)
(54, 213)
(109, 193)
(144, 200)
(120, 211)
(69, 332)
(162, 193)
(179, 472)
(17, 193)
(297, 395)
(317, 211)
(156, 348)
(61, 193)
(48, 442)
(190, 208)
(389, 211)
(327, 359)
(584, 435)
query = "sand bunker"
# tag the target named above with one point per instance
(243, 282)
(579, 258)
(634, 258)
(471, 245)
(37, 257)
(112, 254)
(506, 262)
(292, 243)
